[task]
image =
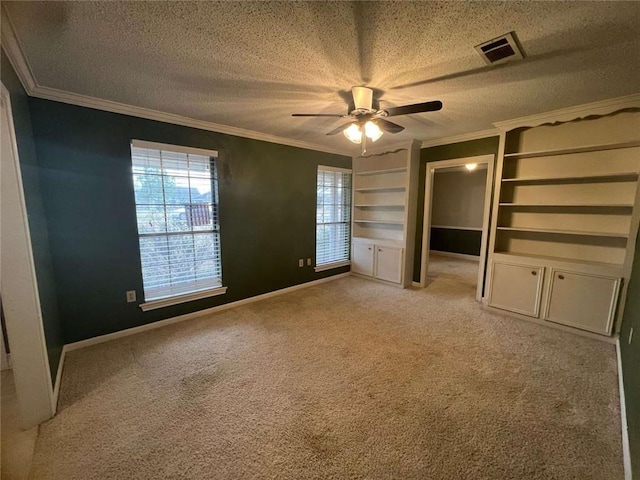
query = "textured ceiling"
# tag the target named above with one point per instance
(251, 64)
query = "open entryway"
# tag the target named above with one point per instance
(456, 219)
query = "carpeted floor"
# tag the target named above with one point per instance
(350, 379)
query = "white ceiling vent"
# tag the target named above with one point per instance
(500, 50)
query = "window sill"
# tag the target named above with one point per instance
(329, 266)
(188, 297)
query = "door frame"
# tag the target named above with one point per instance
(20, 298)
(489, 160)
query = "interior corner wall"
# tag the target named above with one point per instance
(267, 195)
(472, 148)
(38, 227)
(630, 355)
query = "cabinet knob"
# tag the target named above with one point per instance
(369, 248)
(561, 277)
(534, 273)
(379, 249)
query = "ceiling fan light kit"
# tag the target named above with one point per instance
(367, 122)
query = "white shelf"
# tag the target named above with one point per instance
(569, 205)
(557, 259)
(373, 205)
(380, 172)
(566, 151)
(562, 179)
(565, 232)
(383, 222)
(380, 189)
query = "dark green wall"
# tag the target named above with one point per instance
(630, 354)
(471, 148)
(36, 213)
(267, 213)
(454, 240)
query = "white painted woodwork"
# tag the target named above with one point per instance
(517, 288)
(362, 258)
(388, 264)
(583, 301)
(20, 298)
(384, 209)
(567, 200)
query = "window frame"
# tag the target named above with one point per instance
(341, 263)
(175, 299)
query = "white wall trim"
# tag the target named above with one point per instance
(465, 137)
(12, 48)
(626, 449)
(602, 107)
(56, 387)
(26, 333)
(15, 53)
(188, 316)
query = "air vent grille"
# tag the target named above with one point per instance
(500, 50)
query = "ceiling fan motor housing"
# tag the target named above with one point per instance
(362, 98)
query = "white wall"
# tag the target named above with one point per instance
(458, 198)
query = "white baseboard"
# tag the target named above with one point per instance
(56, 386)
(188, 316)
(626, 449)
(463, 256)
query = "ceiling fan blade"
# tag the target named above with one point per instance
(316, 115)
(415, 108)
(388, 126)
(335, 131)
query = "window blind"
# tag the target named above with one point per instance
(333, 215)
(176, 195)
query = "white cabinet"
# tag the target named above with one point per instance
(388, 264)
(362, 258)
(516, 288)
(385, 204)
(582, 301)
(380, 261)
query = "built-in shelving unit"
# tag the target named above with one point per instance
(384, 214)
(565, 208)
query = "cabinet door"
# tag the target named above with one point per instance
(389, 264)
(362, 259)
(516, 288)
(583, 301)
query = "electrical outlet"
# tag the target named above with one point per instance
(630, 335)
(131, 296)
(301, 262)
(308, 262)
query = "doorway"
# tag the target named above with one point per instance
(457, 207)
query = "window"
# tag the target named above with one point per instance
(333, 218)
(176, 192)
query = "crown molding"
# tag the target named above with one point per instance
(603, 107)
(12, 48)
(15, 53)
(48, 93)
(465, 137)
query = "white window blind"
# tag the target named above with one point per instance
(333, 215)
(176, 192)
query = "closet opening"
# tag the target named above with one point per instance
(456, 221)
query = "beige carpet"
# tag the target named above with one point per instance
(347, 380)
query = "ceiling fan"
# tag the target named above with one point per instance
(369, 122)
